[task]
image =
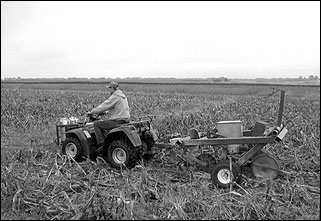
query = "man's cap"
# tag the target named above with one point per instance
(112, 84)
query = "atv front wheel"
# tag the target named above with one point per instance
(72, 148)
(121, 154)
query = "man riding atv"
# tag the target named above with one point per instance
(118, 112)
(119, 141)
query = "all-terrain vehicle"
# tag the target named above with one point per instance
(124, 144)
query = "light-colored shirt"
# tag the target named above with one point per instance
(116, 105)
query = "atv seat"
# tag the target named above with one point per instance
(106, 131)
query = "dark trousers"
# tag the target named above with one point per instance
(101, 125)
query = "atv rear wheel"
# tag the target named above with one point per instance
(72, 147)
(221, 175)
(121, 154)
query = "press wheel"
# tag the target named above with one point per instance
(265, 166)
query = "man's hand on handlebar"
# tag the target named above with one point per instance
(94, 117)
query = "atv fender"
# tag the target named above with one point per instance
(80, 135)
(130, 132)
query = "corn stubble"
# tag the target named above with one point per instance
(38, 183)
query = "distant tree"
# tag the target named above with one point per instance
(311, 77)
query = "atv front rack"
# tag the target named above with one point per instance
(61, 130)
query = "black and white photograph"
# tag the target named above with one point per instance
(160, 110)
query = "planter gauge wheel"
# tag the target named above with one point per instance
(221, 175)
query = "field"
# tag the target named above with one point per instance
(38, 183)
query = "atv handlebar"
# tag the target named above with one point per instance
(93, 117)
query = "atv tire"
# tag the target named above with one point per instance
(72, 147)
(121, 154)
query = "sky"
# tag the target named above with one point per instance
(160, 39)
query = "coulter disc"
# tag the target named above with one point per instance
(265, 166)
